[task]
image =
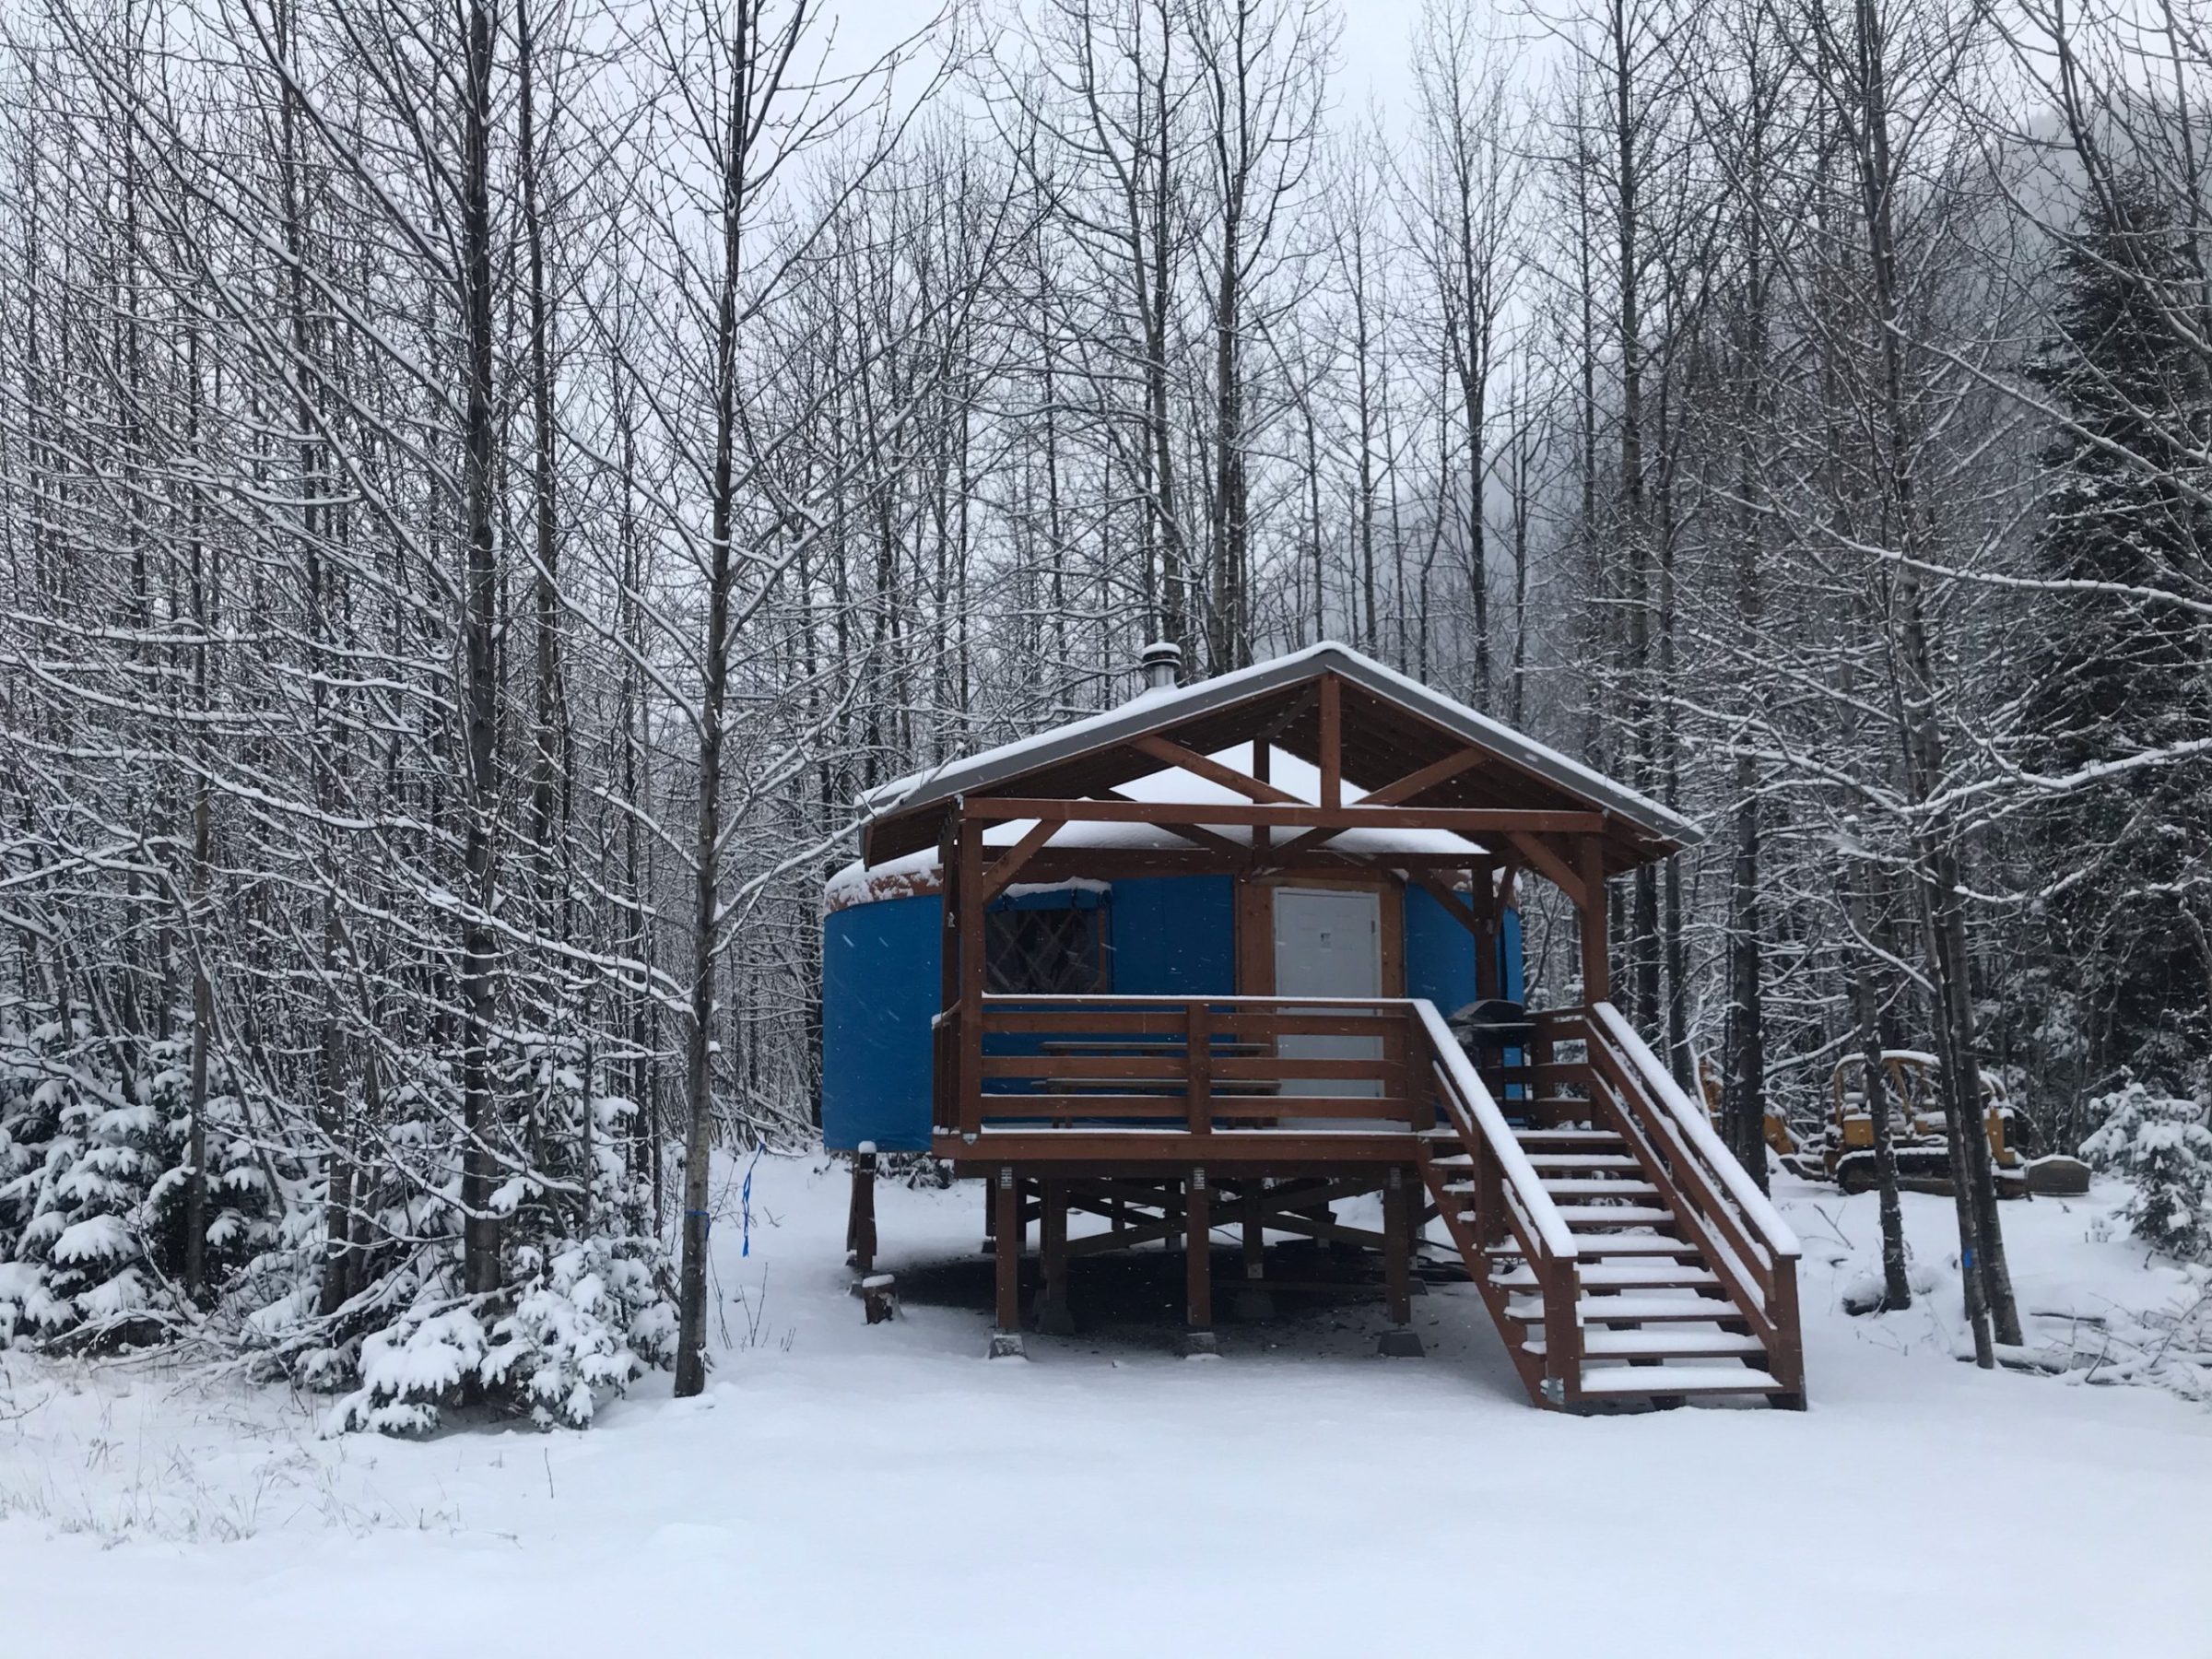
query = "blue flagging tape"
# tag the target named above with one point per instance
(745, 1204)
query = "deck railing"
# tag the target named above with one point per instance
(1501, 1202)
(1194, 1064)
(1716, 1202)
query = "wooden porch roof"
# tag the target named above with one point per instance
(1391, 727)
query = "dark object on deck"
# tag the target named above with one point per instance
(1495, 1018)
(1491, 1025)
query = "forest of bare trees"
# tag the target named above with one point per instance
(485, 486)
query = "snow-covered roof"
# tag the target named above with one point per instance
(917, 871)
(1165, 709)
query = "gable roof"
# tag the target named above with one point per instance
(1392, 726)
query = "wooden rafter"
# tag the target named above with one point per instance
(1549, 863)
(1418, 782)
(1457, 907)
(1000, 875)
(1169, 753)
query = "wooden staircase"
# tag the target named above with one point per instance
(1627, 1258)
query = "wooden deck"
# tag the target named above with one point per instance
(1623, 1254)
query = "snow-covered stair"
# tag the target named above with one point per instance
(1604, 1212)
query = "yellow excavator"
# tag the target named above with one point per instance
(1842, 1152)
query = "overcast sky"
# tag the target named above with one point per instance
(1373, 45)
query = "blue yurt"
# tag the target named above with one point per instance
(1135, 935)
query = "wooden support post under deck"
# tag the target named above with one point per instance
(1005, 1194)
(1254, 1231)
(860, 1221)
(1598, 982)
(1198, 1266)
(1397, 1256)
(1054, 1317)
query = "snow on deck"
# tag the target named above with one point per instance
(862, 1491)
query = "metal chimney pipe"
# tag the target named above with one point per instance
(1162, 665)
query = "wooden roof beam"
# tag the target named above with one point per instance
(1283, 815)
(1172, 754)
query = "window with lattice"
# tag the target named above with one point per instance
(1053, 950)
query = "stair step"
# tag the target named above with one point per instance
(1578, 1137)
(1612, 1215)
(1601, 1189)
(1577, 1160)
(1602, 1309)
(1657, 1344)
(1626, 1244)
(1679, 1379)
(1623, 1276)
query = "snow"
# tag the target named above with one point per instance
(843, 1490)
(917, 872)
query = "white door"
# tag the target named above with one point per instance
(1328, 942)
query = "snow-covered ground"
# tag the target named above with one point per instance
(847, 1490)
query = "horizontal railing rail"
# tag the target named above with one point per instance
(1509, 1200)
(1204, 1061)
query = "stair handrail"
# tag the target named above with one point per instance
(1697, 1129)
(1520, 1177)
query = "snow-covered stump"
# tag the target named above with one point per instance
(878, 1294)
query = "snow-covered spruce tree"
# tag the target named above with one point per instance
(586, 1305)
(93, 1170)
(2163, 1146)
(2117, 675)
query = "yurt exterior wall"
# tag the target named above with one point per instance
(1171, 935)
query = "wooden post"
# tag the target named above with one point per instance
(1400, 1342)
(1255, 1231)
(970, 836)
(1489, 1199)
(1420, 1096)
(1597, 983)
(1483, 890)
(1788, 1357)
(1198, 1267)
(1562, 1336)
(860, 1221)
(1005, 1340)
(1054, 1317)
(1331, 742)
(1198, 1068)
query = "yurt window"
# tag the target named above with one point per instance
(1048, 944)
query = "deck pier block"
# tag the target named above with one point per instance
(1200, 1345)
(1007, 1345)
(1401, 1342)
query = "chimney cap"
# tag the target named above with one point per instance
(1161, 662)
